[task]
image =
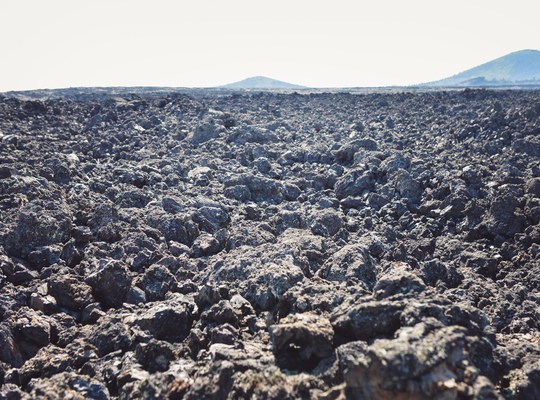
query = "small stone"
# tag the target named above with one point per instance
(300, 341)
(5, 172)
(70, 292)
(205, 245)
(110, 284)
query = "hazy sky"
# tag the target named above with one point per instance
(63, 43)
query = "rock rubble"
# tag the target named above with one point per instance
(214, 245)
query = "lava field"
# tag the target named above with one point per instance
(243, 245)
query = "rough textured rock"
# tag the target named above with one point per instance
(300, 341)
(369, 319)
(68, 385)
(110, 283)
(69, 291)
(170, 244)
(167, 321)
(38, 224)
(417, 364)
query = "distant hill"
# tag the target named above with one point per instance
(261, 82)
(519, 68)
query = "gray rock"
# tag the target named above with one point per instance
(326, 222)
(70, 292)
(5, 172)
(204, 132)
(16, 271)
(205, 245)
(9, 350)
(533, 187)
(353, 183)
(407, 186)
(238, 192)
(351, 261)
(480, 262)
(109, 335)
(52, 360)
(222, 313)
(154, 355)
(418, 364)
(398, 278)
(157, 282)
(36, 226)
(110, 283)
(368, 320)
(68, 385)
(502, 218)
(529, 146)
(33, 326)
(169, 320)
(395, 162)
(300, 341)
(171, 205)
(434, 271)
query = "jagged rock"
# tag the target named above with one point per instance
(5, 172)
(10, 391)
(110, 283)
(407, 186)
(33, 326)
(353, 183)
(38, 225)
(205, 131)
(300, 341)
(251, 234)
(209, 295)
(44, 256)
(326, 223)
(368, 320)
(81, 234)
(524, 381)
(205, 245)
(224, 333)
(260, 188)
(481, 262)
(396, 279)
(69, 291)
(154, 355)
(158, 386)
(68, 385)
(108, 335)
(418, 364)
(157, 281)
(157, 243)
(17, 271)
(316, 294)
(52, 360)
(222, 312)
(351, 261)
(502, 219)
(529, 146)
(91, 313)
(9, 350)
(45, 304)
(169, 321)
(434, 271)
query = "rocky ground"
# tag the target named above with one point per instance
(244, 245)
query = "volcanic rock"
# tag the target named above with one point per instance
(162, 243)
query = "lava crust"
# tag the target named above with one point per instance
(223, 245)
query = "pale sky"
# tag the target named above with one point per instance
(67, 43)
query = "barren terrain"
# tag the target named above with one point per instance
(228, 245)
